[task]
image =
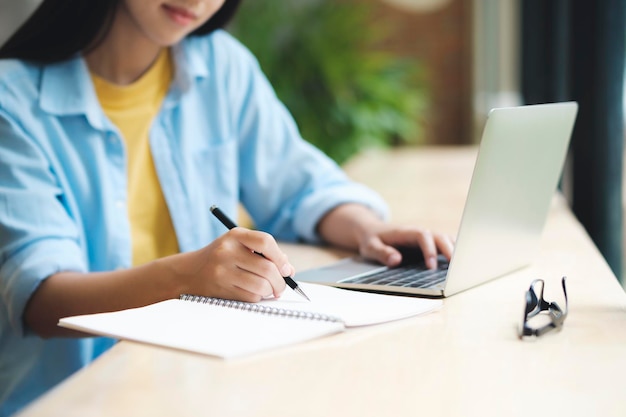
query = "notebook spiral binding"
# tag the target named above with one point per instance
(258, 308)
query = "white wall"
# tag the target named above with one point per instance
(12, 14)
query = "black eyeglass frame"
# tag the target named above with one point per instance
(535, 304)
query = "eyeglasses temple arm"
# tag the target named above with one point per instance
(565, 293)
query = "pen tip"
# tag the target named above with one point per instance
(299, 291)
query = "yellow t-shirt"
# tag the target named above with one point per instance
(132, 109)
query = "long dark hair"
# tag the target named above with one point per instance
(58, 29)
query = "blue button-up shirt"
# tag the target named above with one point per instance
(221, 137)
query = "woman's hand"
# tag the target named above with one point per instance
(356, 227)
(227, 268)
(231, 267)
(381, 242)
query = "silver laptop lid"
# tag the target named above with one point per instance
(520, 160)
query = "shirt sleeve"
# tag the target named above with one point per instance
(287, 184)
(37, 236)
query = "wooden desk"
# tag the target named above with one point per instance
(464, 360)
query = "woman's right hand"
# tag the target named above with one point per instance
(227, 268)
(230, 267)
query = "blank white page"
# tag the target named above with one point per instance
(355, 308)
(202, 328)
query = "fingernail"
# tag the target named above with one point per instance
(286, 270)
(432, 262)
(394, 259)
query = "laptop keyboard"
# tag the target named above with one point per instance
(410, 276)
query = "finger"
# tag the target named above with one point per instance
(430, 244)
(270, 262)
(257, 286)
(421, 238)
(374, 248)
(243, 276)
(426, 242)
(265, 245)
(251, 289)
(445, 245)
(235, 277)
(261, 268)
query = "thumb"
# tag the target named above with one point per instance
(375, 249)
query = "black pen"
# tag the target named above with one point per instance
(230, 224)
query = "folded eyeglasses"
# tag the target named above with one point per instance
(536, 306)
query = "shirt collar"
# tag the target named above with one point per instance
(190, 65)
(66, 87)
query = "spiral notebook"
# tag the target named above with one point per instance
(229, 329)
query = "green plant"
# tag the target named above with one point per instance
(323, 58)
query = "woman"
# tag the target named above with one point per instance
(118, 131)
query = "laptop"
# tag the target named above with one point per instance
(520, 159)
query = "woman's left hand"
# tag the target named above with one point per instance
(356, 227)
(381, 244)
